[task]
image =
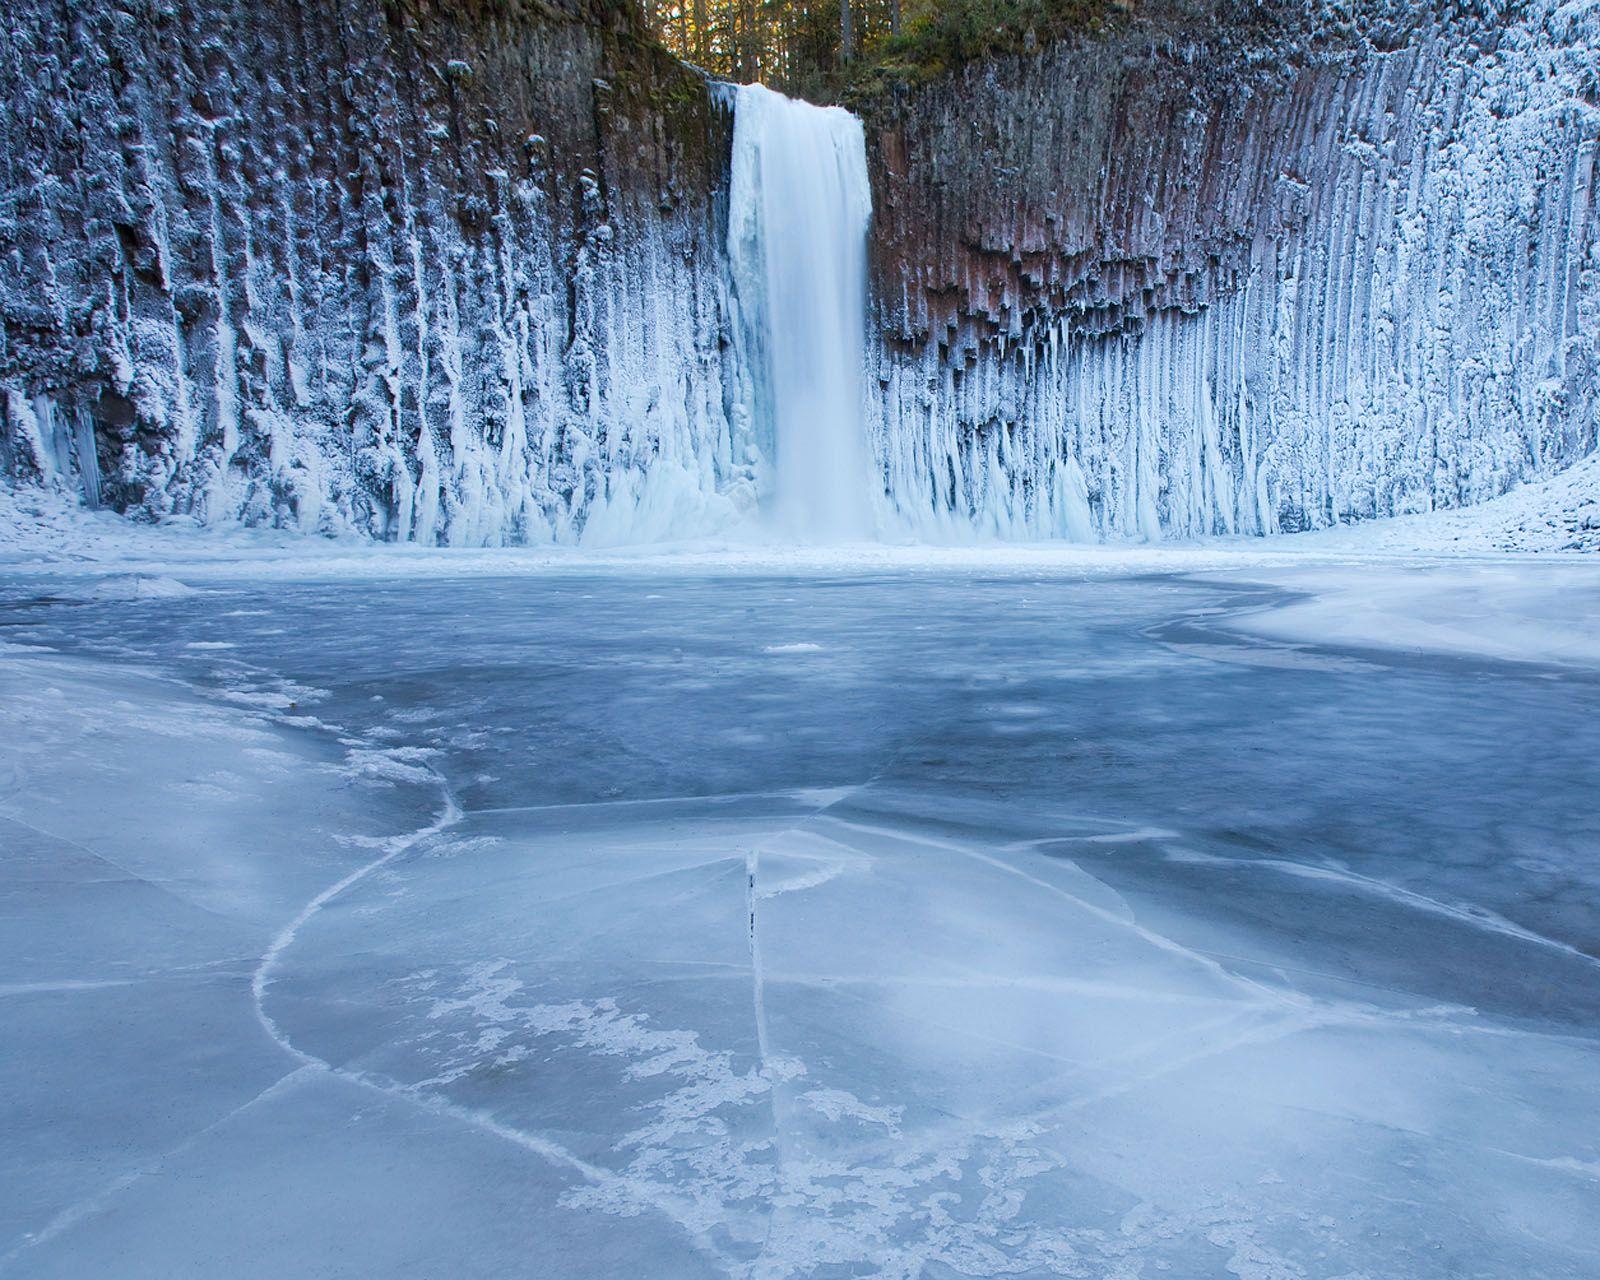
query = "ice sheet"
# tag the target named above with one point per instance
(919, 924)
(1511, 611)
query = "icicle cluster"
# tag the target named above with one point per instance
(1360, 287)
(308, 265)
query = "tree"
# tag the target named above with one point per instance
(825, 49)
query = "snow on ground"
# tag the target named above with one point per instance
(1516, 611)
(43, 531)
(1509, 579)
(1515, 579)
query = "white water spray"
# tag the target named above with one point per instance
(797, 234)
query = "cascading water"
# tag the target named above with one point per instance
(797, 229)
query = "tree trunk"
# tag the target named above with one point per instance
(749, 42)
(847, 38)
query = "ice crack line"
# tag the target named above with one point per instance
(449, 815)
(93, 1204)
(776, 1073)
(757, 977)
(627, 1189)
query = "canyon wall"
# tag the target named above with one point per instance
(1241, 267)
(443, 270)
(454, 270)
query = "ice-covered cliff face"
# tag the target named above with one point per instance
(458, 273)
(1234, 277)
(415, 269)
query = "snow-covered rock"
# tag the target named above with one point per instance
(435, 276)
(1272, 273)
(460, 276)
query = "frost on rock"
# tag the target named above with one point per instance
(310, 266)
(440, 279)
(1128, 289)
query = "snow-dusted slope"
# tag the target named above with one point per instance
(1558, 513)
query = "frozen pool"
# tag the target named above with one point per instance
(920, 924)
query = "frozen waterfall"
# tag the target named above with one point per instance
(797, 229)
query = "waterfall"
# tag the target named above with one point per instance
(797, 228)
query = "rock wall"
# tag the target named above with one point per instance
(1241, 268)
(443, 270)
(454, 270)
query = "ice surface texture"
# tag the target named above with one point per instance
(872, 925)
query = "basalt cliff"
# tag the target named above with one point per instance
(457, 272)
